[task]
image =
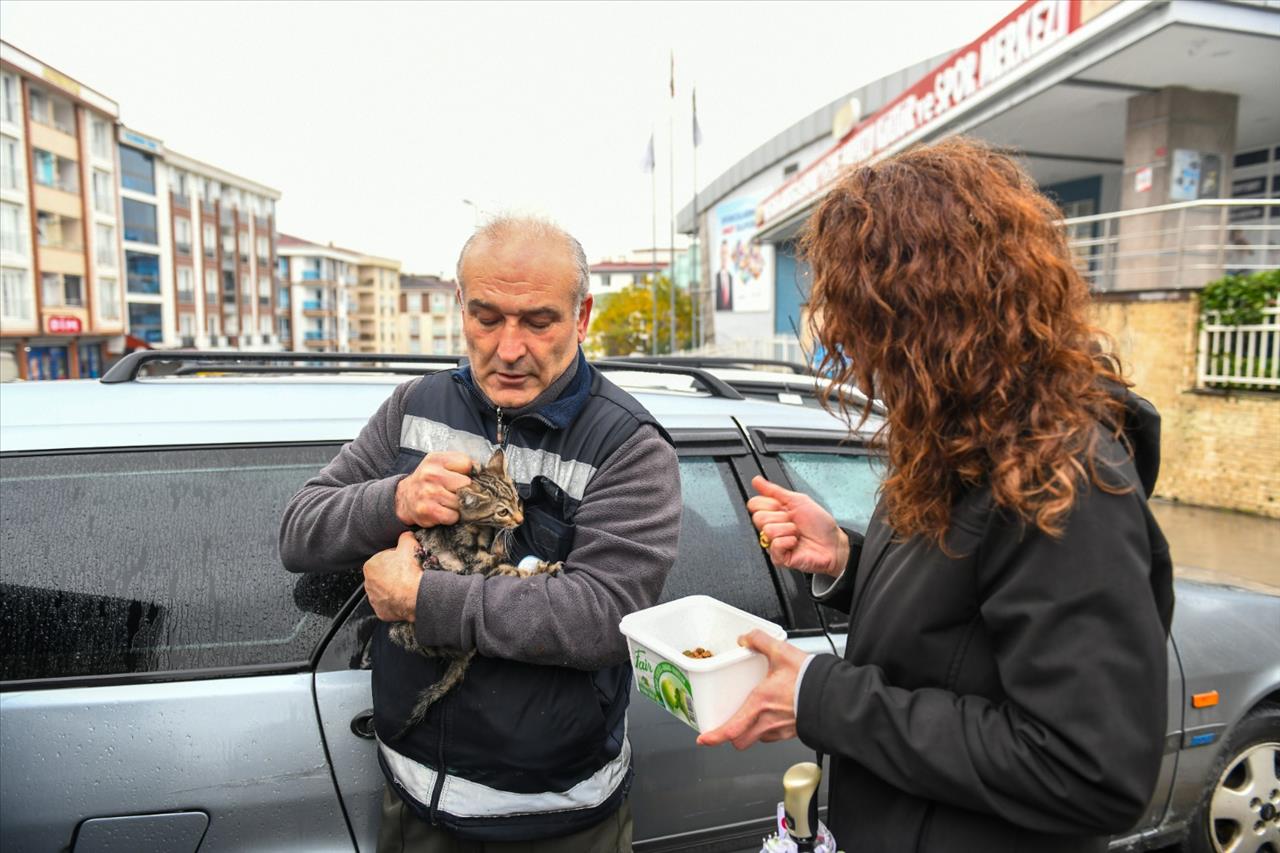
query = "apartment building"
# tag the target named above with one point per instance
(223, 259)
(61, 297)
(429, 320)
(372, 306)
(315, 284)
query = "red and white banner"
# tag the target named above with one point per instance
(62, 325)
(1024, 34)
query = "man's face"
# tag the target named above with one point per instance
(518, 317)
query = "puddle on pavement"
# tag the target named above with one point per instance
(1214, 542)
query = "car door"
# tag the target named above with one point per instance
(684, 796)
(156, 667)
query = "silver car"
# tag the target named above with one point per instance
(166, 685)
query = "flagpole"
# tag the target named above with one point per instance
(696, 318)
(653, 276)
(671, 142)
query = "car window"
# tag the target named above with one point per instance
(154, 561)
(719, 555)
(844, 484)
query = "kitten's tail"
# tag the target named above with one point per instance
(428, 697)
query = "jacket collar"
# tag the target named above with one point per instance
(557, 406)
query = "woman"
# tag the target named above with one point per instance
(1004, 681)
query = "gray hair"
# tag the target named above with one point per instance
(505, 226)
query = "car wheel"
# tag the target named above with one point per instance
(1239, 811)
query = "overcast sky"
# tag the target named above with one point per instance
(375, 120)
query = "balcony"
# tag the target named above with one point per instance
(316, 307)
(1175, 246)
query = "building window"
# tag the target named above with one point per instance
(284, 327)
(414, 326)
(228, 291)
(108, 299)
(187, 325)
(104, 250)
(56, 172)
(264, 324)
(11, 155)
(61, 290)
(211, 285)
(140, 222)
(17, 302)
(413, 303)
(142, 273)
(439, 303)
(182, 234)
(58, 232)
(232, 325)
(209, 241)
(282, 299)
(244, 245)
(214, 322)
(137, 170)
(100, 140)
(51, 111)
(145, 323)
(228, 242)
(186, 285)
(9, 98)
(12, 234)
(264, 249)
(104, 196)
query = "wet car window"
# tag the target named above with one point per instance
(719, 555)
(845, 485)
(155, 561)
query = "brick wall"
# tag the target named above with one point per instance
(1219, 450)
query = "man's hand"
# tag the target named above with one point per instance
(800, 534)
(426, 497)
(769, 714)
(391, 580)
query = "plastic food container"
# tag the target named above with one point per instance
(702, 692)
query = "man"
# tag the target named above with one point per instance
(531, 746)
(724, 280)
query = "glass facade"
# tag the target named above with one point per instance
(137, 170)
(144, 322)
(140, 222)
(143, 274)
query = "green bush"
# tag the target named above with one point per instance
(1239, 299)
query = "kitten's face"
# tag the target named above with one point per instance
(491, 498)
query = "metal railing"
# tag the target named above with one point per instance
(777, 348)
(1173, 246)
(1239, 356)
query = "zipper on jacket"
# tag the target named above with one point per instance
(502, 438)
(440, 768)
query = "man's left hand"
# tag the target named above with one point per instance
(769, 713)
(391, 579)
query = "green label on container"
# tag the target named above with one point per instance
(674, 692)
(644, 675)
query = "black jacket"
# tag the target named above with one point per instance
(1010, 698)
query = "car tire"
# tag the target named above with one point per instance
(1239, 811)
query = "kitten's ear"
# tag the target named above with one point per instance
(497, 463)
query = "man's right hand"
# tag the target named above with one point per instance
(427, 497)
(801, 534)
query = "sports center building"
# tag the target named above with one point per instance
(1155, 126)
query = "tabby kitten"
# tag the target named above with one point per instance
(489, 511)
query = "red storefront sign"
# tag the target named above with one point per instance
(1023, 35)
(60, 325)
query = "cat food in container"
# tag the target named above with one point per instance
(703, 692)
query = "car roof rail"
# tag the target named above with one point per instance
(128, 368)
(714, 385)
(723, 361)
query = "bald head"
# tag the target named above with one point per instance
(509, 232)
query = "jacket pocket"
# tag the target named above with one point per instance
(546, 532)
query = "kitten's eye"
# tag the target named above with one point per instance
(503, 513)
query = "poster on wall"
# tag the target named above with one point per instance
(1184, 177)
(741, 271)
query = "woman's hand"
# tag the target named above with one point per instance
(800, 534)
(769, 714)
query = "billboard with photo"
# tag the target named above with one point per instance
(741, 271)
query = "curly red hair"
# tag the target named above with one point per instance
(943, 285)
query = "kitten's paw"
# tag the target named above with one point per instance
(509, 570)
(402, 635)
(545, 568)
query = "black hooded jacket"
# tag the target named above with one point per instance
(1010, 697)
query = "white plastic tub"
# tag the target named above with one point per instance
(702, 692)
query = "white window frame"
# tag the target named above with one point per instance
(108, 301)
(210, 283)
(99, 139)
(15, 286)
(104, 192)
(14, 240)
(13, 165)
(104, 245)
(10, 100)
(189, 280)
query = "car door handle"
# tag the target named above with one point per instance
(362, 724)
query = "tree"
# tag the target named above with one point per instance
(622, 320)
